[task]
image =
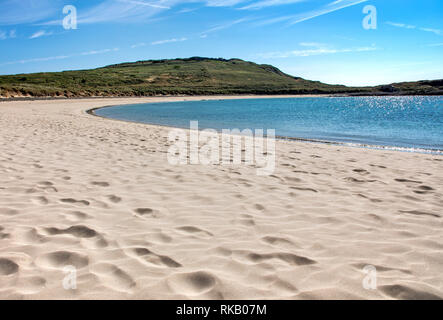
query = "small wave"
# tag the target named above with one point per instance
(367, 146)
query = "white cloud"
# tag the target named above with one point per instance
(401, 25)
(224, 26)
(41, 33)
(14, 12)
(221, 3)
(436, 31)
(137, 45)
(134, 11)
(317, 50)
(329, 8)
(311, 44)
(59, 57)
(93, 52)
(168, 41)
(408, 26)
(147, 4)
(269, 3)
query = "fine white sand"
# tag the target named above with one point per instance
(99, 195)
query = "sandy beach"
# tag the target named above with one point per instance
(99, 195)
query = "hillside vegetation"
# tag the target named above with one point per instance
(192, 76)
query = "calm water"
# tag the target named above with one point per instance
(404, 122)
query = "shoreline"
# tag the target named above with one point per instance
(99, 196)
(438, 152)
(3, 99)
(344, 95)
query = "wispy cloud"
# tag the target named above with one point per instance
(135, 11)
(138, 45)
(59, 57)
(147, 4)
(436, 44)
(315, 50)
(269, 3)
(221, 3)
(331, 7)
(312, 44)
(39, 34)
(11, 34)
(94, 52)
(14, 12)
(436, 31)
(328, 8)
(401, 25)
(168, 41)
(159, 42)
(409, 26)
(119, 11)
(225, 25)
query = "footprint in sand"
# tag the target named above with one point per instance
(73, 201)
(195, 231)
(114, 199)
(193, 283)
(76, 231)
(8, 267)
(114, 277)
(31, 284)
(304, 189)
(155, 259)
(45, 183)
(289, 258)
(147, 212)
(368, 198)
(259, 207)
(8, 212)
(361, 171)
(159, 237)
(80, 232)
(76, 215)
(34, 236)
(247, 220)
(424, 190)
(420, 213)
(407, 181)
(406, 293)
(46, 186)
(3, 235)
(100, 184)
(40, 200)
(61, 259)
(361, 266)
(352, 179)
(276, 241)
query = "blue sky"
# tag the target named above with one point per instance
(315, 39)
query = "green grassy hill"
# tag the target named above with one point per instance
(192, 76)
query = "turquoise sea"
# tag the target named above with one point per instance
(404, 123)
